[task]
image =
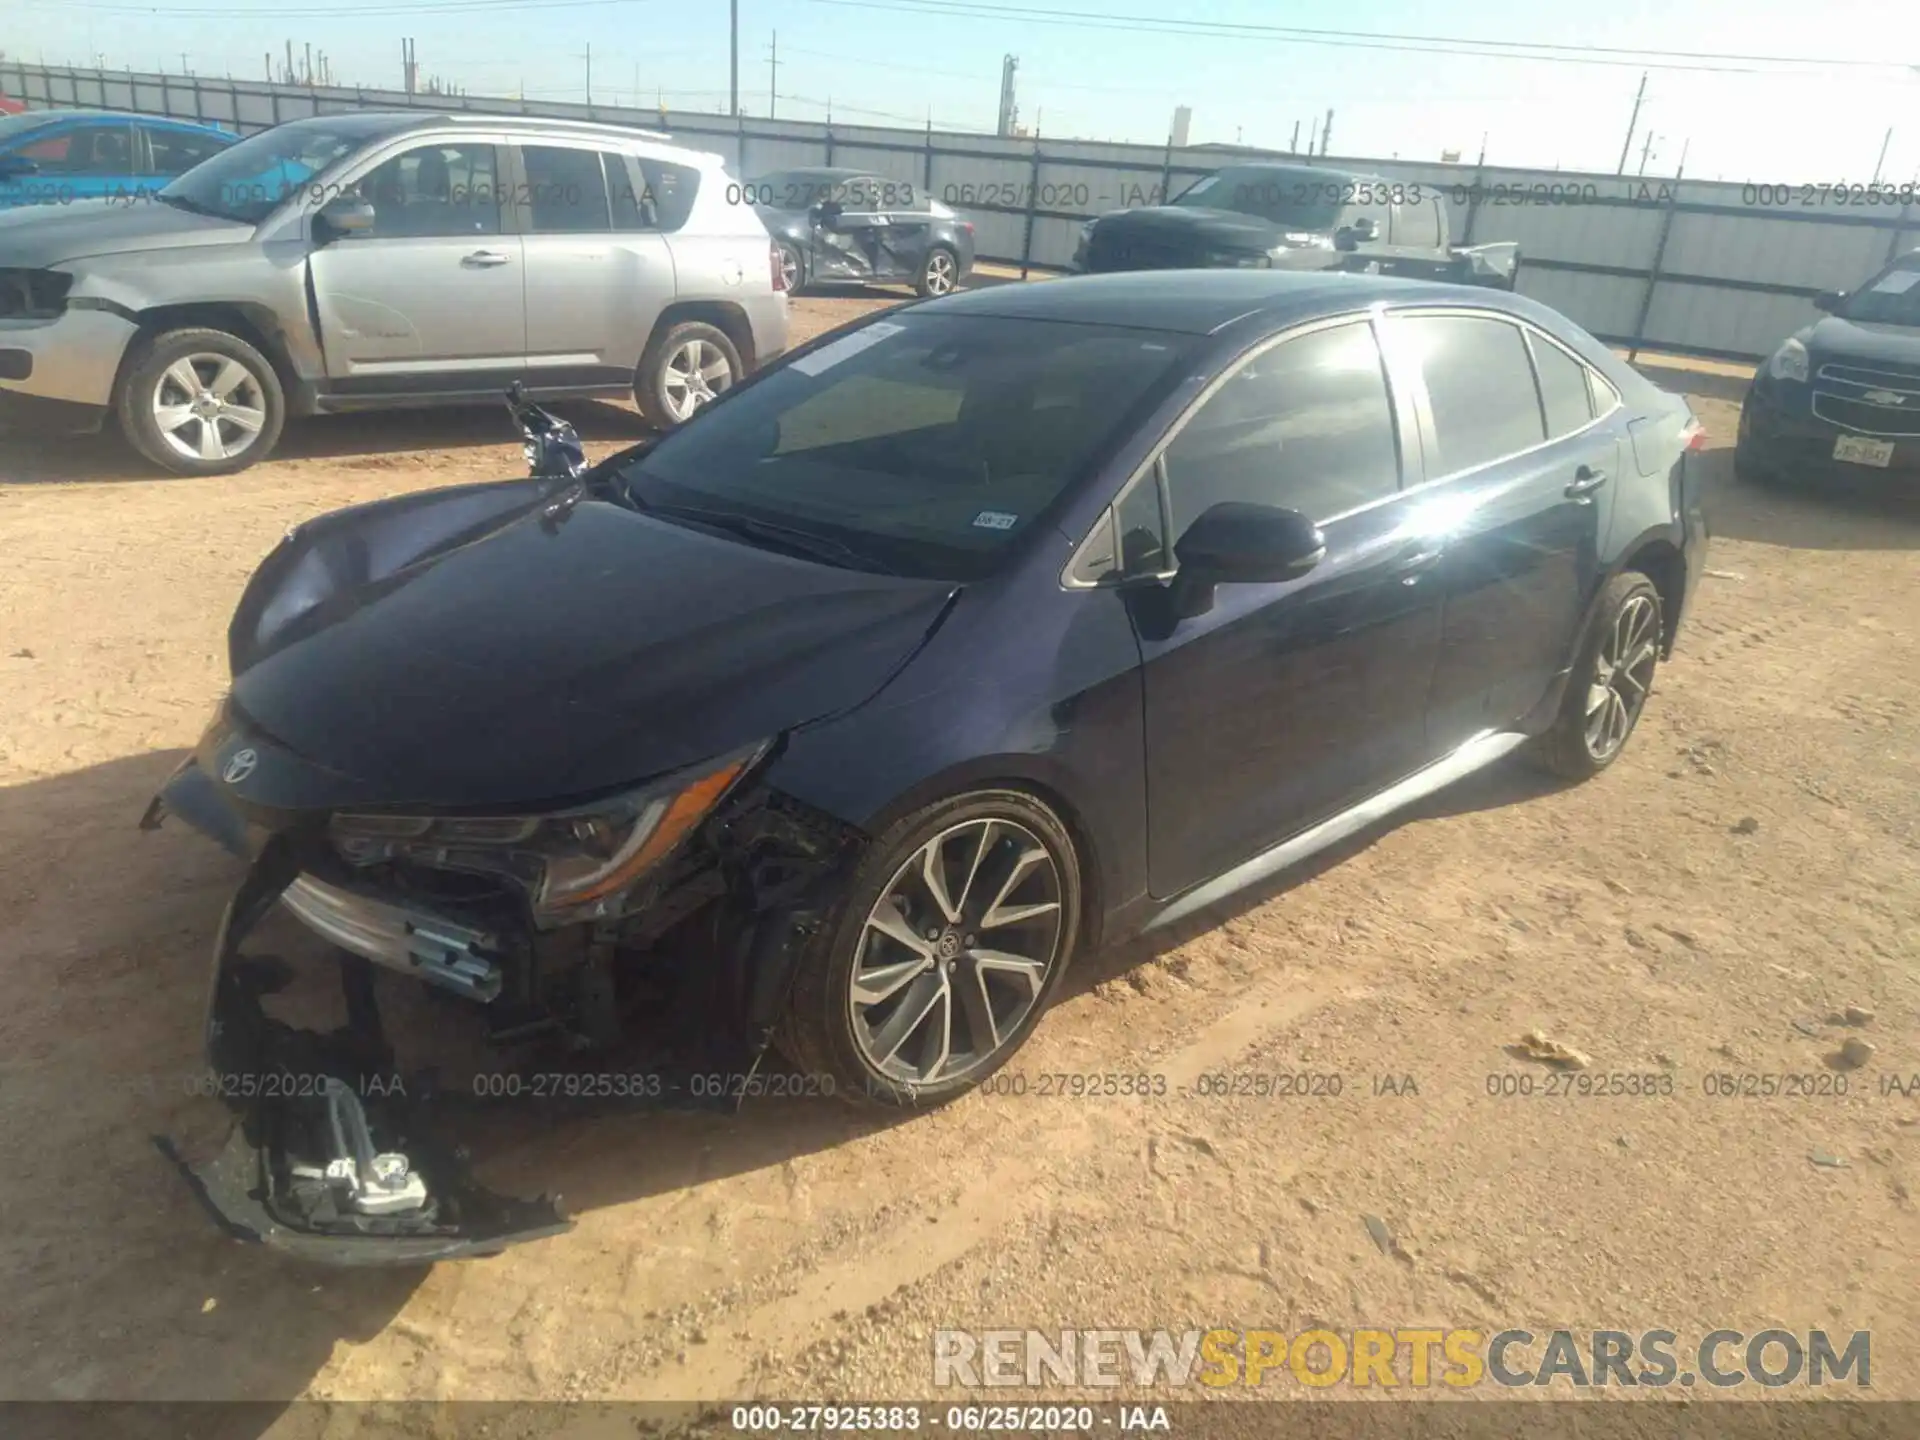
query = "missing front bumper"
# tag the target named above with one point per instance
(328, 1158)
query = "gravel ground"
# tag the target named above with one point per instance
(1744, 874)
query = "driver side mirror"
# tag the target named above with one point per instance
(347, 215)
(1236, 542)
(1361, 231)
(1829, 301)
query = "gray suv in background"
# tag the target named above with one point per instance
(368, 260)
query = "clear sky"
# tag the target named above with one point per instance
(1117, 70)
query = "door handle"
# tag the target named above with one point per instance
(1420, 555)
(1585, 481)
(484, 259)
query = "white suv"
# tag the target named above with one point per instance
(368, 260)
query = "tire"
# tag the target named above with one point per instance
(1629, 615)
(177, 375)
(660, 386)
(830, 1036)
(939, 273)
(794, 265)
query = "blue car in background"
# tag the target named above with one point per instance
(54, 157)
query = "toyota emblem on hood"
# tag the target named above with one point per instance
(239, 765)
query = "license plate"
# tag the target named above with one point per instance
(1862, 451)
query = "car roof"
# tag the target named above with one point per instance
(1309, 173)
(47, 117)
(825, 172)
(1202, 302)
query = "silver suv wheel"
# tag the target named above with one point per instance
(209, 408)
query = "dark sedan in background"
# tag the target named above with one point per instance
(852, 227)
(963, 640)
(1840, 399)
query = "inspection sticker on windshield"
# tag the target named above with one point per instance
(995, 520)
(1897, 282)
(845, 348)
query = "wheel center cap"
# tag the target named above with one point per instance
(949, 945)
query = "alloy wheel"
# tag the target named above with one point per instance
(209, 407)
(940, 273)
(1622, 676)
(956, 952)
(789, 270)
(696, 373)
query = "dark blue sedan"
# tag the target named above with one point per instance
(54, 157)
(989, 631)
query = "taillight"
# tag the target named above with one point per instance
(1693, 435)
(778, 271)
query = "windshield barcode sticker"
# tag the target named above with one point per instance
(995, 520)
(845, 348)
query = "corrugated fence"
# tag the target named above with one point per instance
(1695, 267)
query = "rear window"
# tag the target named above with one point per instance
(1302, 200)
(1480, 384)
(1563, 388)
(929, 443)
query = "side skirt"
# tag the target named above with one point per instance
(1476, 753)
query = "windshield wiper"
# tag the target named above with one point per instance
(808, 544)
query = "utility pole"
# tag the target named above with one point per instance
(1483, 147)
(1313, 140)
(1681, 168)
(269, 67)
(589, 74)
(1646, 152)
(1881, 163)
(733, 56)
(773, 73)
(1326, 133)
(185, 71)
(410, 66)
(307, 73)
(1293, 145)
(1632, 120)
(289, 62)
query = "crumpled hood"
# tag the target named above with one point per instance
(458, 649)
(36, 236)
(1849, 340)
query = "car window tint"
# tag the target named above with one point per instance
(1307, 425)
(1601, 392)
(84, 150)
(1481, 388)
(439, 189)
(669, 191)
(566, 190)
(1563, 388)
(174, 152)
(1417, 224)
(1143, 540)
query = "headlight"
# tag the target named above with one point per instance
(1789, 362)
(578, 863)
(1307, 240)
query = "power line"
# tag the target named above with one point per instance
(1537, 51)
(448, 7)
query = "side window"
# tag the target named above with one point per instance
(1481, 387)
(175, 152)
(624, 195)
(1563, 388)
(1307, 424)
(84, 150)
(669, 190)
(1417, 225)
(566, 190)
(1601, 392)
(438, 189)
(1143, 540)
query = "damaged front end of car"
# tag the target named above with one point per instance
(662, 922)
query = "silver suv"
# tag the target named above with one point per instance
(367, 260)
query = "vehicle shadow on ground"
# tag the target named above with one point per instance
(379, 435)
(1811, 516)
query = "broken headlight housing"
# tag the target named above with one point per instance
(575, 864)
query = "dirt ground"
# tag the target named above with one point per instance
(1747, 870)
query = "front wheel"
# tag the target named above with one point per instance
(199, 401)
(683, 368)
(939, 273)
(1612, 677)
(954, 934)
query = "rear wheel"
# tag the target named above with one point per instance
(954, 935)
(200, 401)
(939, 272)
(793, 267)
(1612, 678)
(684, 367)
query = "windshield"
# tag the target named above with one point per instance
(248, 181)
(923, 445)
(12, 127)
(1297, 199)
(1893, 299)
